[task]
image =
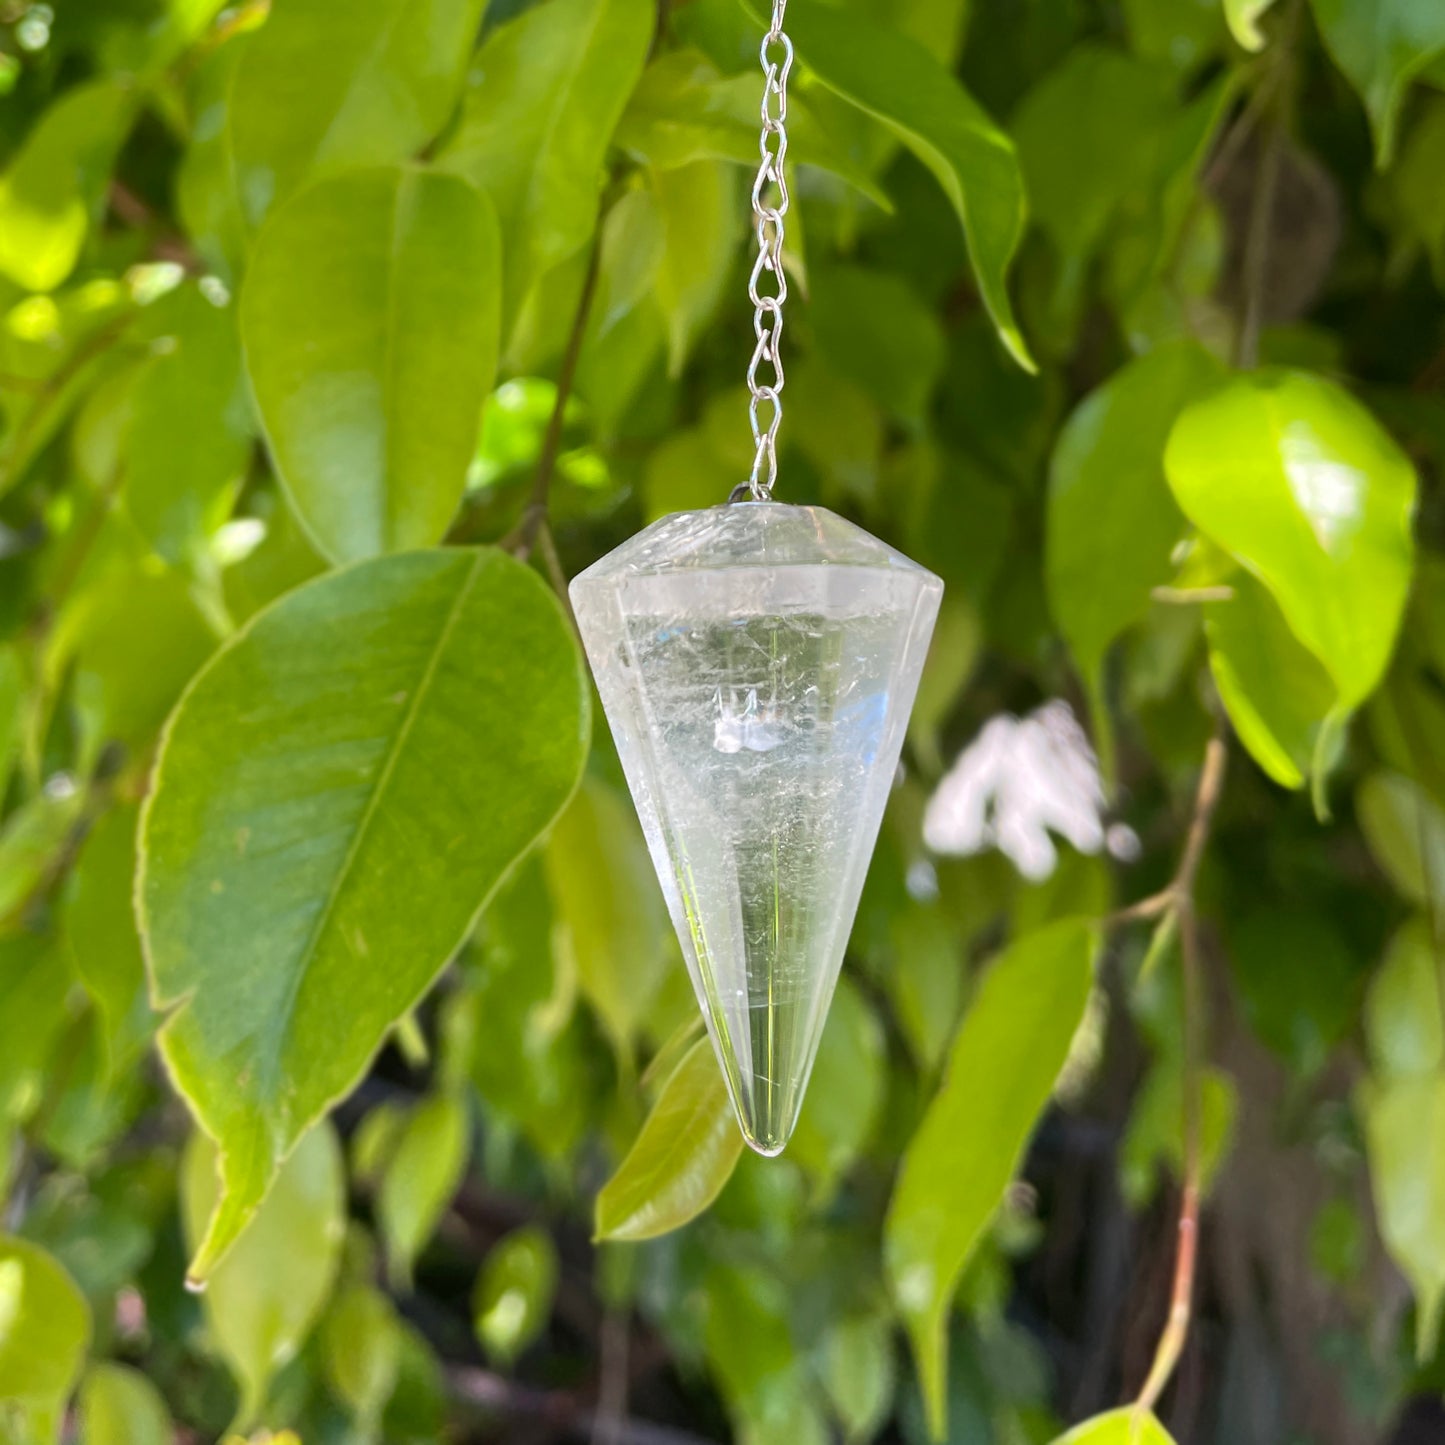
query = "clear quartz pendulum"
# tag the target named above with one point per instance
(757, 663)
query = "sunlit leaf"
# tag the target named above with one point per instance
(1118, 1427)
(44, 1330)
(698, 205)
(54, 185)
(307, 863)
(1244, 17)
(1010, 1047)
(512, 1300)
(680, 1161)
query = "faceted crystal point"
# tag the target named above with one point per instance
(757, 663)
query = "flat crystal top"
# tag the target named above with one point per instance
(746, 534)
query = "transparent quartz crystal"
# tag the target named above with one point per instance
(758, 663)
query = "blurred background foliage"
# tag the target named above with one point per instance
(334, 338)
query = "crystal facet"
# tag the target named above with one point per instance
(758, 663)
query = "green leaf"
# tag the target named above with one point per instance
(512, 1300)
(320, 90)
(33, 841)
(1183, 33)
(858, 1373)
(699, 211)
(428, 1164)
(1382, 45)
(362, 1341)
(307, 863)
(547, 91)
(1405, 829)
(207, 186)
(1299, 483)
(1088, 136)
(846, 1089)
(1405, 1011)
(100, 932)
(1156, 1130)
(54, 185)
(188, 439)
(1413, 200)
(120, 1406)
(13, 691)
(872, 328)
(1279, 698)
(262, 1300)
(883, 72)
(35, 982)
(925, 980)
(1112, 523)
(370, 320)
(44, 1331)
(1244, 17)
(1405, 1135)
(677, 1166)
(1010, 1048)
(682, 111)
(1118, 1427)
(611, 923)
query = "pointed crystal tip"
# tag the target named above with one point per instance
(757, 663)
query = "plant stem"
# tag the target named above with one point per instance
(519, 541)
(1180, 902)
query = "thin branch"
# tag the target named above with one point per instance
(610, 1421)
(519, 541)
(1178, 900)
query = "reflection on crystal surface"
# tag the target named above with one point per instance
(758, 663)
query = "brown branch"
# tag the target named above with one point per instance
(519, 541)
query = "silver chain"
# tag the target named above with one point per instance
(770, 205)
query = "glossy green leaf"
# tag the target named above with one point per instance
(1297, 481)
(320, 90)
(100, 932)
(44, 1330)
(1118, 1427)
(120, 1406)
(427, 1165)
(1244, 17)
(889, 76)
(1382, 45)
(845, 1091)
(1279, 698)
(1008, 1053)
(1405, 1135)
(370, 319)
(677, 1166)
(54, 185)
(612, 926)
(698, 205)
(925, 980)
(1405, 829)
(361, 1341)
(208, 197)
(1112, 523)
(512, 1300)
(547, 90)
(262, 1300)
(289, 875)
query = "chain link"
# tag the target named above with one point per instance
(768, 284)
